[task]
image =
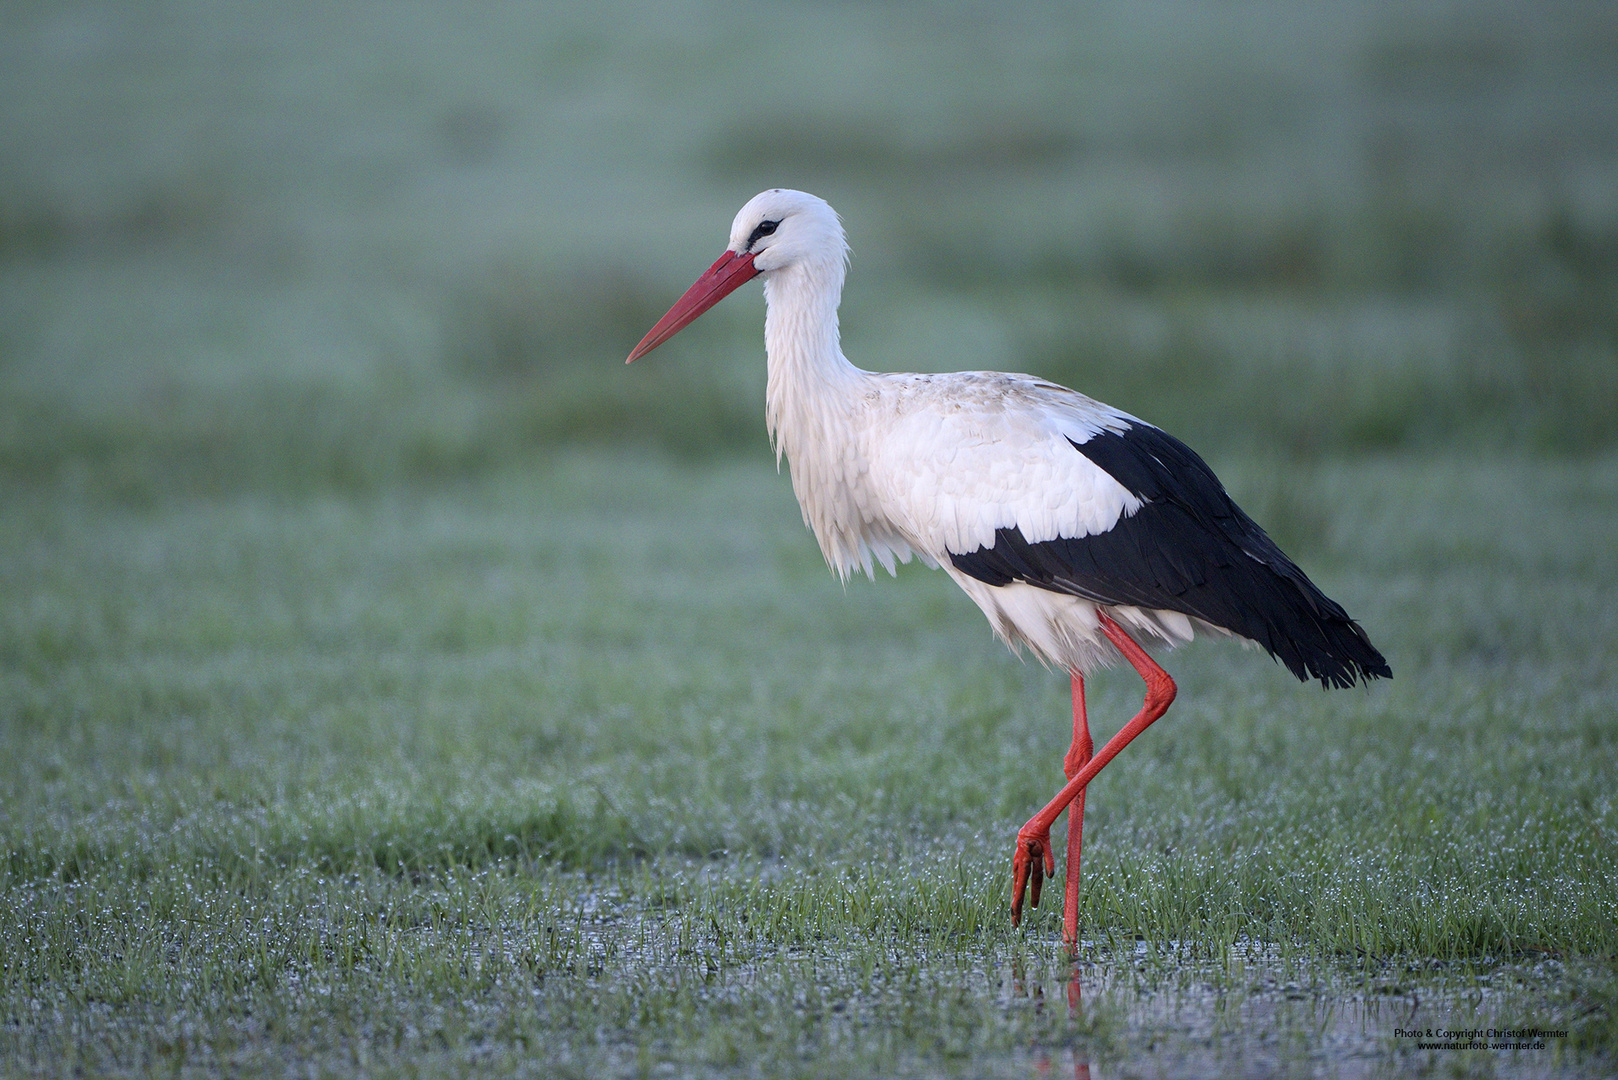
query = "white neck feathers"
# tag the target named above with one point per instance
(809, 377)
(813, 400)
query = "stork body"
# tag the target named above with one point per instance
(1075, 527)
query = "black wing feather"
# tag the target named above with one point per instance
(1191, 549)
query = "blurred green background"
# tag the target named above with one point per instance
(342, 245)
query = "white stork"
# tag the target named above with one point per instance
(1077, 528)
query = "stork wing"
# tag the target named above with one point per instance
(961, 455)
(1187, 548)
(1014, 479)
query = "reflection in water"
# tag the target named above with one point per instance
(1075, 1005)
(1019, 984)
(1207, 1024)
(1077, 1058)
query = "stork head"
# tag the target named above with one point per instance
(776, 230)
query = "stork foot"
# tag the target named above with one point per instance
(1030, 866)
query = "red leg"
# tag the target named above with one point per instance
(1034, 860)
(1078, 755)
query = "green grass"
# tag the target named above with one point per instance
(595, 766)
(393, 683)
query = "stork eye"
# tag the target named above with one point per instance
(763, 228)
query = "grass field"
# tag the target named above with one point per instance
(392, 683)
(594, 765)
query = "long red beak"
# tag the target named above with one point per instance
(723, 278)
